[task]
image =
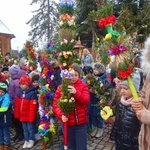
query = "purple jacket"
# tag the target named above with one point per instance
(14, 86)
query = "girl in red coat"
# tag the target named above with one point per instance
(78, 117)
(25, 109)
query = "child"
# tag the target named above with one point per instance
(16, 73)
(5, 117)
(126, 127)
(90, 80)
(35, 82)
(34, 76)
(97, 121)
(77, 118)
(26, 110)
(6, 73)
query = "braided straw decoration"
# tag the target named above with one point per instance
(120, 59)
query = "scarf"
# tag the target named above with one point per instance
(126, 102)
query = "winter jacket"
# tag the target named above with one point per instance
(25, 108)
(126, 128)
(5, 111)
(144, 136)
(87, 60)
(93, 109)
(14, 86)
(79, 115)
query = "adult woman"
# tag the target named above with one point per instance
(78, 117)
(142, 107)
(86, 60)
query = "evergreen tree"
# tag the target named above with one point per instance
(133, 17)
(143, 23)
(84, 28)
(43, 23)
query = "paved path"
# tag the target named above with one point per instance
(102, 143)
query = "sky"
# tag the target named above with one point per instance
(14, 14)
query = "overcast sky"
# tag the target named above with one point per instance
(14, 14)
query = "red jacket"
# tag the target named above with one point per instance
(82, 97)
(25, 108)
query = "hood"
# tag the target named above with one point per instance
(19, 75)
(145, 64)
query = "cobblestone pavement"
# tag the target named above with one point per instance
(102, 143)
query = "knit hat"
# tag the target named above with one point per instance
(14, 69)
(3, 87)
(100, 67)
(88, 69)
(76, 68)
(25, 79)
(2, 77)
(136, 81)
(5, 69)
(35, 78)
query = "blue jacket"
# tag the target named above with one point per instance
(5, 111)
(93, 109)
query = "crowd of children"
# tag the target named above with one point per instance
(19, 93)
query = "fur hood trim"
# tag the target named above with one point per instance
(33, 73)
(145, 64)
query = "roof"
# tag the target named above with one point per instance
(5, 30)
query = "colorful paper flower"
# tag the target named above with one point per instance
(124, 74)
(117, 50)
(106, 112)
(103, 22)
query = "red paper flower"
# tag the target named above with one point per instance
(124, 74)
(102, 22)
(42, 102)
(129, 70)
(111, 19)
(106, 21)
(42, 96)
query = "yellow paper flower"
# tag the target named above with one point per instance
(69, 53)
(65, 56)
(97, 39)
(52, 128)
(106, 112)
(88, 82)
(47, 86)
(108, 36)
(41, 126)
(64, 100)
